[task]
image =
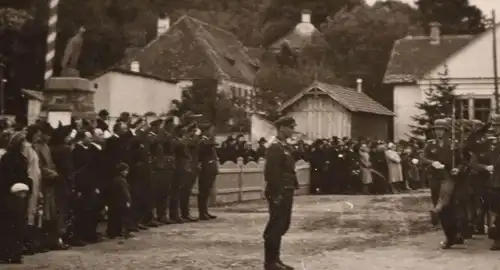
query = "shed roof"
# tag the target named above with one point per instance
(347, 97)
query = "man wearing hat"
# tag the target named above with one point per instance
(438, 154)
(261, 149)
(281, 181)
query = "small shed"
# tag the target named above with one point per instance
(325, 110)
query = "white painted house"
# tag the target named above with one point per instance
(120, 91)
(148, 79)
(417, 61)
(191, 49)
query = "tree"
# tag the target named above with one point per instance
(275, 83)
(455, 16)
(361, 41)
(438, 104)
(216, 107)
(11, 23)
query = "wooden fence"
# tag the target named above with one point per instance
(238, 182)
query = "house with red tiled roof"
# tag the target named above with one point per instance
(186, 50)
(417, 62)
(325, 110)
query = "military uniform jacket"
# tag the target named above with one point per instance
(489, 155)
(279, 171)
(441, 151)
(182, 154)
(208, 155)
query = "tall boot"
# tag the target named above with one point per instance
(30, 240)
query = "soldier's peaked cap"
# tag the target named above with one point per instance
(285, 121)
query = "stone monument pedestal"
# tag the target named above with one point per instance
(73, 93)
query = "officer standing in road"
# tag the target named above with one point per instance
(281, 181)
(439, 155)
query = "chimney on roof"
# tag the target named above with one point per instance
(163, 24)
(435, 33)
(306, 16)
(359, 85)
(135, 66)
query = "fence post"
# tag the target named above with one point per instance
(212, 200)
(240, 164)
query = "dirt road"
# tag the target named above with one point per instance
(328, 232)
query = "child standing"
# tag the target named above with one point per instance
(119, 208)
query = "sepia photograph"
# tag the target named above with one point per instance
(249, 134)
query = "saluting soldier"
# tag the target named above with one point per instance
(281, 181)
(190, 142)
(181, 168)
(439, 155)
(159, 184)
(208, 170)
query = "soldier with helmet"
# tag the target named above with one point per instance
(439, 154)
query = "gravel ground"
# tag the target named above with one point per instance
(328, 232)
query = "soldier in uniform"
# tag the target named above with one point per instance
(190, 172)
(181, 165)
(439, 154)
(490, 163)
(477, 146)
(160, 186)
(208, 170)
(281, 181)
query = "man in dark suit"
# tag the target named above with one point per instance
(281, 181)
(116, 152)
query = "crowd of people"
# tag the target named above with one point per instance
(58, 183)
(346, 166)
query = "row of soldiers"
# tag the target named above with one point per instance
(141, 174)
(465, 179)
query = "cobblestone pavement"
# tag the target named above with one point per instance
(328, 232)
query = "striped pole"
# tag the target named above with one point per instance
(51, 38)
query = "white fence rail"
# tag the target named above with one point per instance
(238, 182)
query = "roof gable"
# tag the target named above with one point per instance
(298, 37)
(413, 57)
(193, 49)
(347, 97)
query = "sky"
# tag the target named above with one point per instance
(485, 5)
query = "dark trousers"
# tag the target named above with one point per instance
(187, 185)
(162, 181)
(141, 190)
(206, 180)
(280, 214)
(12, 227)
(119, 220)
(87, 216)
(450, 212)
(175, 189)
